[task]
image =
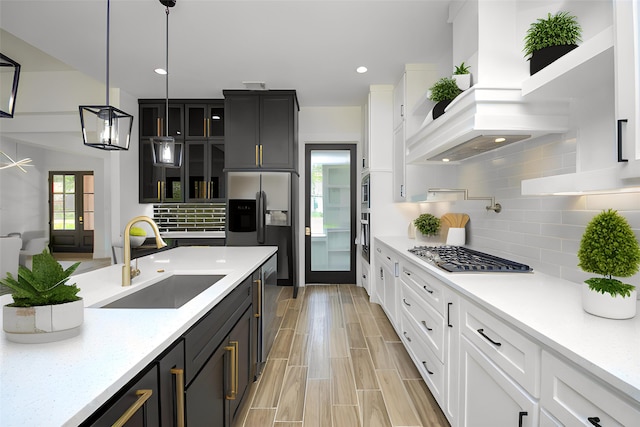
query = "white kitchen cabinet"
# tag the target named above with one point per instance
(387, 267)
(576, 399)
(377, 150)
(364, 276)
(488, 397)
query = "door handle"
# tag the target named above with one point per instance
(233, 349)
(307, 231)
(259, 283)
(144, 395)
(80, 218)
(179, 402)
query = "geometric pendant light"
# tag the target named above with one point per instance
(9, 75)
(103, 126)
(166, 151)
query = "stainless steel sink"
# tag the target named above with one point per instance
(172, 292)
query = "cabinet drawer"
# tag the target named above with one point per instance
(387, 257)
(425, 285)
(205, 336)
(427, 320)
(514, 353)
(574, 397)
(431, 369)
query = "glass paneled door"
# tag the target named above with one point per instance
(330, 213)
(71, 211)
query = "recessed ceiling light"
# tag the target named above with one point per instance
(500, 140)
(160, 71)
(361, 69)
(445, 160)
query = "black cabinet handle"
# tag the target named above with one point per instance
(389, 258)
(521, 415)
(620, 122)
(425, 367)
(425, 325)
(428, 290)
(406, 336)
(595, 420)
(449, 304)
(481, 332)
(405, 302)
(408, 273)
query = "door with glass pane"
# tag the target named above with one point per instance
(330, 213)
(71, 211)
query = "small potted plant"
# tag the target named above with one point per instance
(427, 224)
(609, 248)
(462, 76)
(45, 308)
(137, 236)
(549, 39)
(442, 93)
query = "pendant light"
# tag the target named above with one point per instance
(166, 151)
(8, 93)
(103, 126)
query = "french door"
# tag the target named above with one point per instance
(71, 211)
(330, 213)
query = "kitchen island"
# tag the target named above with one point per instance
(63, 383)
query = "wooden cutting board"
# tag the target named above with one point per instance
(455, 220)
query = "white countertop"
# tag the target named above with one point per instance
(64, 382)
(549, 310)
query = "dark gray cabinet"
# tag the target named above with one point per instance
(204, 171)
(261, 130)
(205, 121)
(171, 380)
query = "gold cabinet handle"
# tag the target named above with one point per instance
(260, 154)
(204, 127)
(257, 158)
(259, 282)
(233, 348)
(179, 373)
(159, 126)
(159, 185)
(144, 394)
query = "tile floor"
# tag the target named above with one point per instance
(337, 362)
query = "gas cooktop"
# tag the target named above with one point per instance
(458, 259)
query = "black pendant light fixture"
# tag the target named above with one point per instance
(103, 126)
(9, 86)
(166, 151)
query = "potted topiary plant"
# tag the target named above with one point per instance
(462, 76)
(609, 248)
(137, 236)
(45, 308)
(427, 224)
(549, 39)
(442, 93)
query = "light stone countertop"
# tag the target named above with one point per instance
(64, 382)
(549, 310)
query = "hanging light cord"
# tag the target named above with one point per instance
(167, 76)
(108, 14)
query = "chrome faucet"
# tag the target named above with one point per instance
(127, 272)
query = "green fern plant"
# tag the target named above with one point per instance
(555, 30)
(427, 224)
(609, 248)
(444, 89)
(45, 284)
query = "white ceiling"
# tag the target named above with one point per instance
(313, 46)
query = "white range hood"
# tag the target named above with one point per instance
(478, 117)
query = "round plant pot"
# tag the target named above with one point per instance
(462, 80)
(428, 240)
(439, 108)
(42, 324)
(545, 56)
(137, 240)
(456, 236)
(604, 305)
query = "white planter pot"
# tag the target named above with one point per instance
(456, 236)
(42, 324)
(462, 80)
(428, 240)
(604, 305)
(137, 240)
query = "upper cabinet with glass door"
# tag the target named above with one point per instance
(205, 121)
(153, 120)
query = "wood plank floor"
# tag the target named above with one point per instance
(337, 362)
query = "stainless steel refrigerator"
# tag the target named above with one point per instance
(259, 212)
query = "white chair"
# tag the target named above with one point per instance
(9, 255)
(33, 243)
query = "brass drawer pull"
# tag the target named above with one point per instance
(233, 348)
(144, 394)
(179, 373)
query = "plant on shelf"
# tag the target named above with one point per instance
(609, 248)
(427, 224)
(442, 93)
(549, 39)
(45, 308)
(462, 76)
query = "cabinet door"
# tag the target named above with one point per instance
(153, 120)
(276, 132)
(172, 382)
(399, 187)
(488, 397)
(215, 172)
(241, 368)
(204, 121)
(241, 120)
(196, 172)
(142, 396)
(206, 402)
(150, 177)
